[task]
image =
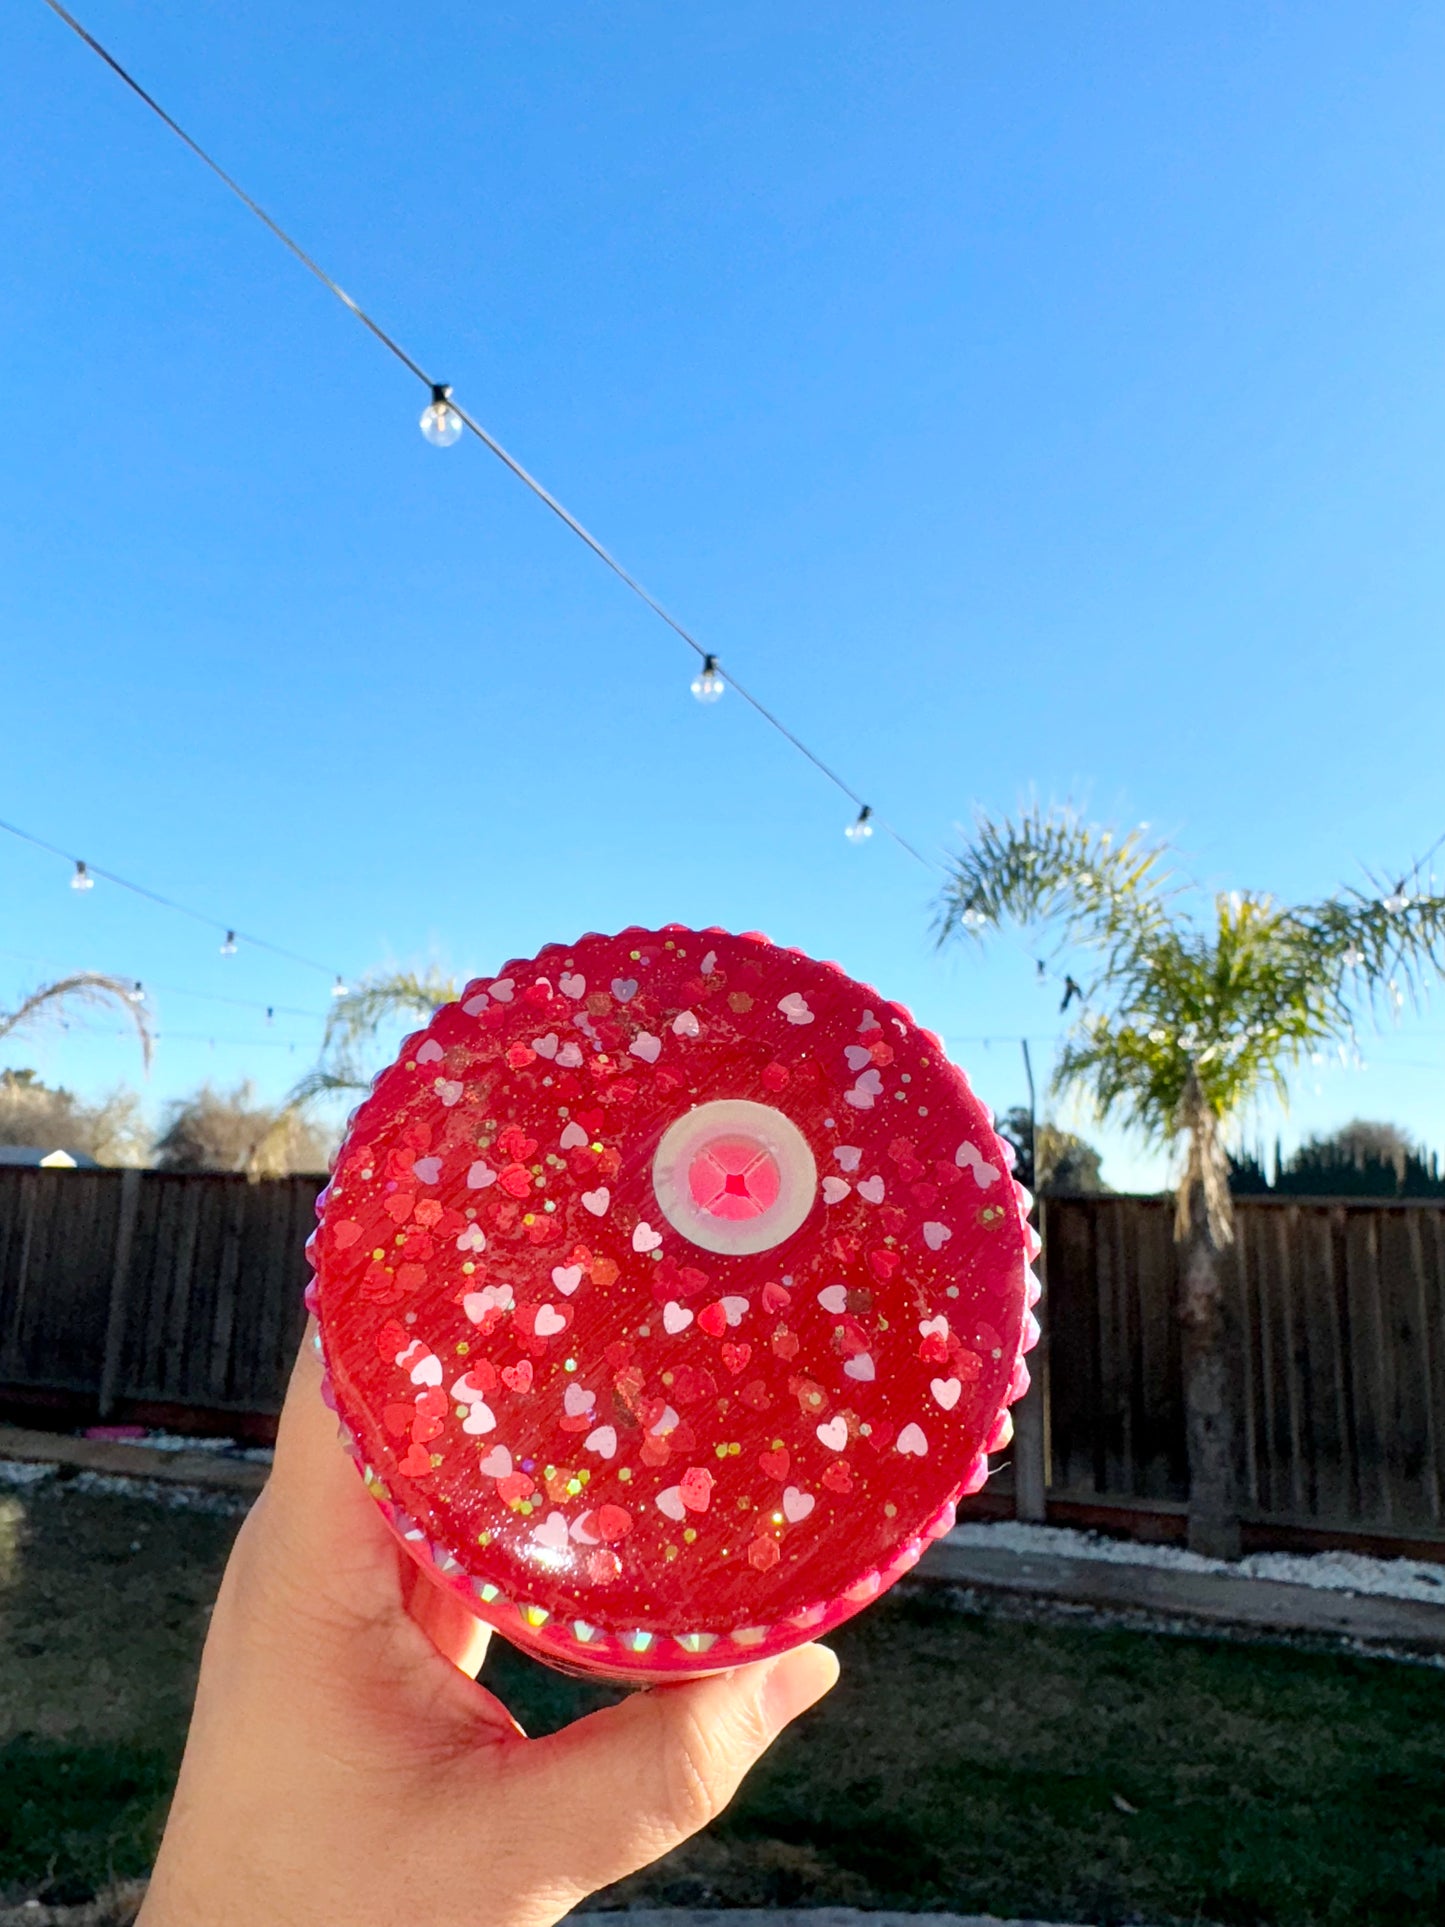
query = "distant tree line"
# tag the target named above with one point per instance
(212, 1130)
(1362, 1160)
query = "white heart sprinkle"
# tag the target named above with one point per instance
(646, 1046)
(861, 1367)
(480, 1175)
(427, 1371)
(834, 1298)
(449, 1090)
(669, 1422)
(858, 1055)
(848, 1156)
(834, 1434)
(569, 1057)
(502, 990)
(835, 1190)
(947, 1391)
(670, 1503)
(572, 984)
(546, 1046)
(869, 1086)
(935, 1327)
(867, 1022)
(675, 1317)
(709, 963)
(477, 1304)
(430, 1052)
(552, 1533)
(426, 1170)
(597, 1201)
(603, 1441)
(479, 1418)
(969, 1157)
(548, 1322)
(465, 1392)
(498, 1463)
(734, 1309)
(566, 1278)
(472, 1239)
(624, 989)
(474, 1006)
(797, 1505)
(644, 1238)
(936, 1235)
(577, 1399)
(911, 1439)
(685, 1024)
(795, 1008)
(872, 1190)
(573, 1137)
(581, 1531)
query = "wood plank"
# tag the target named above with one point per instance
(118, 1308)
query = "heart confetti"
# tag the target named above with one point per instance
(636, 1450)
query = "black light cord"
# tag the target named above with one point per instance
(543, 494)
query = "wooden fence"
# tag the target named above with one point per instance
(1338, 1320)
(142, 1293)
(171, 1299)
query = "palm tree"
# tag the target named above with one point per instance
(354, 1021)
(1186, 1015)
(85, 989)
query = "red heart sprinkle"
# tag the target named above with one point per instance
(417, 1462)
(839, 1476)
(613, 1522)
(397, 1419)
(776, 1297)
(713, 1320)
(518, 1377)
(424, 1429)
(735, 1357)
(515, 1487)
(432, 1402)
(756, 1395)
(392, 1338)
(776, 1464)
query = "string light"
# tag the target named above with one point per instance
(228, 948)
(1397, 900)
(708, 683)
(861, 828)
(1353, 958)
(338, 989)
(440, 422)
(91, 871)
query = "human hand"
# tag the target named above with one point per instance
(340, 1769)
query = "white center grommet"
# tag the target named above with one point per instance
(734, 1176)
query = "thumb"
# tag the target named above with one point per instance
(639, 1777)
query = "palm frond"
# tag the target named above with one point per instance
(378, 1000)
(88, 989)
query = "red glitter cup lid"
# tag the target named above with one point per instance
(672, 1287)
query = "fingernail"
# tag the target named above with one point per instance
(795, 1682)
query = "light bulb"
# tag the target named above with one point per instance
(440, 422)
(270, 1014)
(708, 683)
(1353, 958)
(82, 880)
(974, 919)
(1396, 901)
(861, 828)
(137, 994)
(228, 948)
(338, 989)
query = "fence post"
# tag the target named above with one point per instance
(1030, 1416)
(119, 1291)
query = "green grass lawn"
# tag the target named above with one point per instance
(967, 1761)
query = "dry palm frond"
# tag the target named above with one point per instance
(88, 989)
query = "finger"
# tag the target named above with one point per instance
(456, 1633)
(638, 1777)
(315, 1515)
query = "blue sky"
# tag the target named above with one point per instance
(1026, 400)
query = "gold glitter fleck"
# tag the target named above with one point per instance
(689, 1533)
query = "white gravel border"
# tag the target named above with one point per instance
(1346, 1572)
